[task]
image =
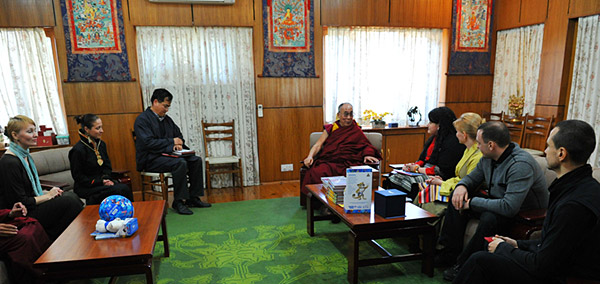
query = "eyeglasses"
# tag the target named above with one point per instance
(347, 113)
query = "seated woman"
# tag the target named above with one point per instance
(54, 209)
(440, 154)
(90, 165)
(22, 240)
(437, 189)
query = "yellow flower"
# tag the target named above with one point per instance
(369, 115)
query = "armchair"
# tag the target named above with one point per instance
(376, 139)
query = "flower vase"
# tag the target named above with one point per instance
(378, 124)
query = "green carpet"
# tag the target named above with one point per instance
(265, 241)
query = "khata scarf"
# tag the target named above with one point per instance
(30, 169)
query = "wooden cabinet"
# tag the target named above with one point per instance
(400, 145)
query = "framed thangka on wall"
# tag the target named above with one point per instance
(288, 27)
(95, 41)
(471, 37)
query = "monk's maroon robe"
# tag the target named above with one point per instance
(23, 249)
(343, 148)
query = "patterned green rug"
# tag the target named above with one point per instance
(264, 241)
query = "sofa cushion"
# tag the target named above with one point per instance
(64, 176)
(52, 161)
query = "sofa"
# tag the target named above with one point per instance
(54, 169)
(528, 223)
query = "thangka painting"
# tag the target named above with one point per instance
(471, 36)
(288, 38)
(95, 41)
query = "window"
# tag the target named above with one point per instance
(28, 83)
(382, 69)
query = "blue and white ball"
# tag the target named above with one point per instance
(115, 206)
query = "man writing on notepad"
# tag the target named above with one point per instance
(157, 137)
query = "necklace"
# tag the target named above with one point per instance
(95, 149)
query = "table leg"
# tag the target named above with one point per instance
(352, 258)
(149, 278)
(165, 239)
(310, 222)
(428, 251)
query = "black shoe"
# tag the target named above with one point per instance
(181, 208)
(196, 202)
(452, 272)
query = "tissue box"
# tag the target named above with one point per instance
(62, 139)
(390, 203)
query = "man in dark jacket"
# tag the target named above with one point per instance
(569, 244)
(157, 135)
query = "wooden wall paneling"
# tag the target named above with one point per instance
(421, 13)
(26, 13)
(116, 97)
(547, 110)
(354, 12)
(553, 53)
(288, 92)
(581, 8)
(507, 14)
(120, 146)
(533, 12)
(460, 108)
(240, 14)
(144, 13)
(283, 138)
(464, 88)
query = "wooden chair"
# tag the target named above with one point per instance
(537, 130)
(516, 127)
(153, 180)
(215, 133)
(376, 139)
(492, 116)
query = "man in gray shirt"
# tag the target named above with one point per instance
(514, 182)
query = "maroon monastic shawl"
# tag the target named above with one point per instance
(24, 248)
(343, 148)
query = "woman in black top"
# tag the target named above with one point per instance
(54, 209)
(90, 165)
(439, 157)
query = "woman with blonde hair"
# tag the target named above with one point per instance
(437, 189)
(54, 209)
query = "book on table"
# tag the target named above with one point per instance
(335, 187)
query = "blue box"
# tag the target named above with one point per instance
(390, 203)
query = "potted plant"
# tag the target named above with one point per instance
(375, 118)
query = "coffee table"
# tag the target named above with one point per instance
(369, 227)
(76, 254)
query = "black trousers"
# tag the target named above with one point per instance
(95, 195)
(56, 214)
(190, 166)
(485, 267)
(455, 224)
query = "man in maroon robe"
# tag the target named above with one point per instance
(342, 145)
(23, 240)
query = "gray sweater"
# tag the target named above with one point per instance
(517, 184)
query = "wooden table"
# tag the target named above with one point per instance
(369, 227)
(76, 254)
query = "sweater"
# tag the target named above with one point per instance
(515, 182)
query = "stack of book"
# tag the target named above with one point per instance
(335, 188)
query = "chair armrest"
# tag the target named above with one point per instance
(48, 184)
(532, 216)
(119, 173)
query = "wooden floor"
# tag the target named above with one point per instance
(263, 191)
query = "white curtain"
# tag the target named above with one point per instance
(584, 102)
(518, 54)
(210, 73)
(28, 83)
(382, 69)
